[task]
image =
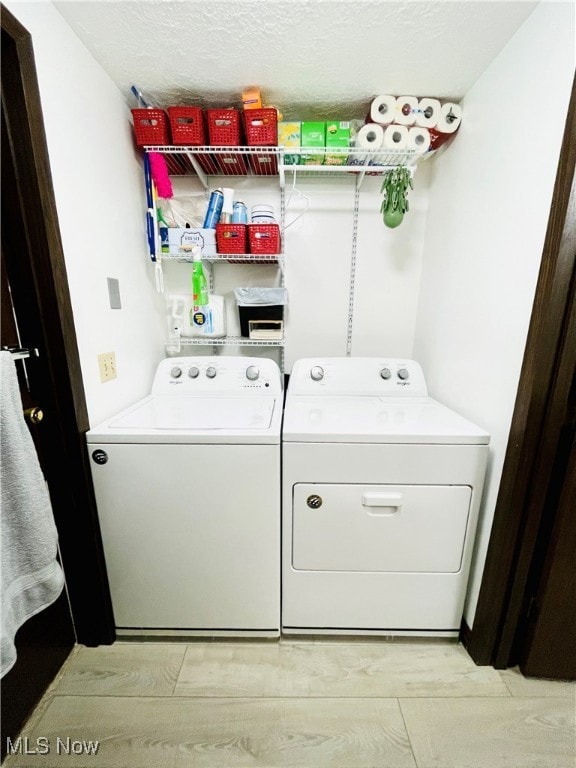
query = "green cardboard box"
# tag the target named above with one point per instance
(337, 135)
(313, 135)
(289, 136)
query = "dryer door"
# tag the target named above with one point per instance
(379, 528)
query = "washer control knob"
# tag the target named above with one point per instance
(385, 373)
(316, 373)
(176, 373)
(211, 372)
(252, 373)
(193, 372)
(403, 374)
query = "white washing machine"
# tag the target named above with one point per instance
(381, 491)
(187, 485)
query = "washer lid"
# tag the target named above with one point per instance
(376, 420)
(166, 419)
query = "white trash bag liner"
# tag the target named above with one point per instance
(262, 297)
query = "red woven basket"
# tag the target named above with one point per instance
(263, 165)
(223, 127)
(151, 127)
(231, 164)
(261, 127)
(231, 238)
(264, 238)
(187, 126)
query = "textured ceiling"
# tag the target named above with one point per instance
(311, 58)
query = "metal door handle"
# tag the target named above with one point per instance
(34, 415)
(21, 353)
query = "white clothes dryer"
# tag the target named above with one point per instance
(187, 485)
(381, 492)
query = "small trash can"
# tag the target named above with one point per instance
(259, 304)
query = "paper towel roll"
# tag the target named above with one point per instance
(450, 118)
(396, 137)
(418, 139)
(383, 109)
(437, 138)
(406, 107)
(428, 113)
(370, 136)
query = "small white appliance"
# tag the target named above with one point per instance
(381, 491)
(187, 485)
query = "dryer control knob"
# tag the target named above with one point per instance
(385, 373)
(211, 372)
(403, 374)
(316, 373)
(176, 373)
(252, 373)
(194, 372)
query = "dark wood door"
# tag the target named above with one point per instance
(43, 642)
(546, 644)
(37, 314)
(534, 526)
(549, 649)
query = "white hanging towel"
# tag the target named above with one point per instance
(31, 577)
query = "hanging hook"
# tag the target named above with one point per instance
(301, 196)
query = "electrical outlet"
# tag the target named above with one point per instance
(107, 365)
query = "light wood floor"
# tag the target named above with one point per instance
(307, 704)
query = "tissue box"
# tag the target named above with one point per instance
(337, 135)
(289, 136)
(181, 241)
(313, 134)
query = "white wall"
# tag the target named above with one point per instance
(488, 210)
(389, 263)
(99, 194)
(318, 255)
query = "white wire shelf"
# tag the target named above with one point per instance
(230, 258)
(205, 161)
(233, 341)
